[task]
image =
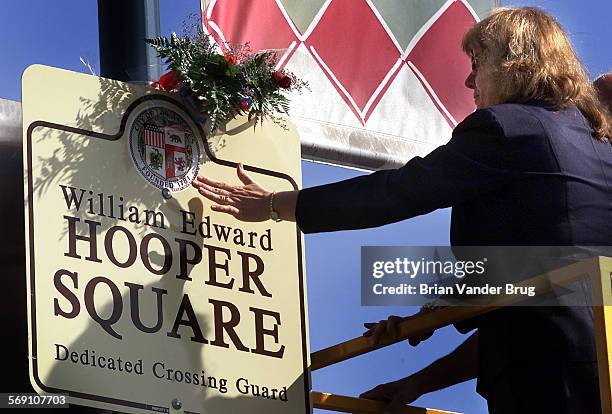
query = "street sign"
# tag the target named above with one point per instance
(140, 294)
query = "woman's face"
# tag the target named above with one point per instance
(481, 81)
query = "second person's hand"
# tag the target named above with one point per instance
(389, 328)
(396, 394)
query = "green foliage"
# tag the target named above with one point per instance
(230, 84)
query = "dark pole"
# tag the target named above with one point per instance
(123, 26)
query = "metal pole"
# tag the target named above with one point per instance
(123, 26)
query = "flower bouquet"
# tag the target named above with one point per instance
(224, 85)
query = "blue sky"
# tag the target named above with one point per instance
(60, 32)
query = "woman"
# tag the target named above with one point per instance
(531, 166)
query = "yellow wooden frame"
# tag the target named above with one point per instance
(598, 269)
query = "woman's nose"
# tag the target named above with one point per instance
(469, 81)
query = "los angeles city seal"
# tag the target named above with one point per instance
(164, 147)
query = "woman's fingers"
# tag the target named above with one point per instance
(415, 340)
(215, 195)
(242, 175)
(370, 328)
(226, 209)
(390, 329)
(396, 404)
(383, 392)
(392, 322)
(379, 330)
(215, 190)
(209, 188)
(200, 179)
(376, 330)
(397, 394)
(373, 328)
(247, 201)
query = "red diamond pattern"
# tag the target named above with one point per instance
(357, 63)
(435, 62)
(355, 52)
(265, 28)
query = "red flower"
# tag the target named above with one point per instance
(245, 103)
(168, 81)
(231, 59)
(281, 80)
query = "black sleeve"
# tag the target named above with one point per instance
(472, 163)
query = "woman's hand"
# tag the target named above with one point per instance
(396, 393)
(389, 327)
(376, 329)
(248, 202)
(458, 366)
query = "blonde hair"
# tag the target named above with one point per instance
(531, 58)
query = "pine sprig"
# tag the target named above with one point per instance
(226, 85)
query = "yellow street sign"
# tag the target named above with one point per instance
(140, 294)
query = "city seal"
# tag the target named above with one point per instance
(163, 147)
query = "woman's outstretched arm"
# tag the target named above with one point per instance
(478, 159)
(247, 202)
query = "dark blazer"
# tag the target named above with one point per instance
(513, 174)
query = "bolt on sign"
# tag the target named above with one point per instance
(140, 294)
